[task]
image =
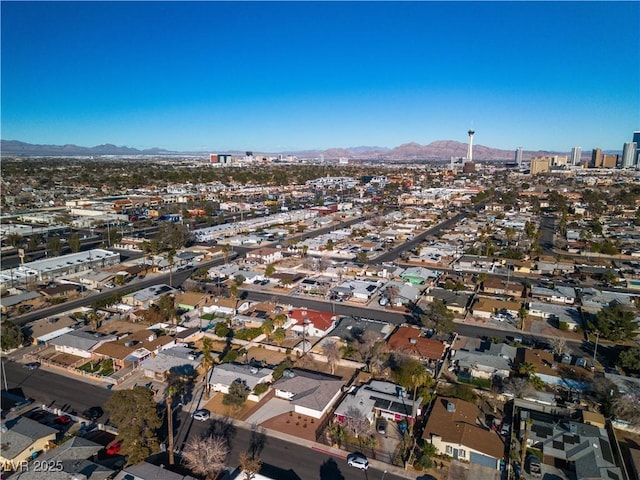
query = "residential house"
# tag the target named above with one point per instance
(265, 255)
(181, 361)
(420, 276)
(46, 329)
(475, 263)
(131, 350)
(412, 341)
(558, 294)
(190, 300)
(149, 471)
(452, 428)
(80, 343)
(564, 317)
(548, 370)
(14, 300)
(379, 399)
(400, 294)
(72, 460)
(22, 439)
(148, 296)
(498, 361)
(583, 449)
(357, 289)
(60, 291)
(487, 307)
(350, 328)
(312, 322)
(318, 285)
(456, 301)
(225, 374)
(311, 393)
(225, 306)
(497, 286)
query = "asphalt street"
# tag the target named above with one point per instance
(49, 388)
(282, 460)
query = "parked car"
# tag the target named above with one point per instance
(93, 413)
(381, 426)
(505, 429)
(63, 420)
(358, 460)
(32, 365)
(202, 415)
(534, 466)
(114, 448)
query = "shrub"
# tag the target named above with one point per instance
(261, 388)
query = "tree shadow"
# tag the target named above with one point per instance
(329, 470)
(257, 441)
(271, 471)
(222, 427)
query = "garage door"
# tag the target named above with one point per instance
(484, 460)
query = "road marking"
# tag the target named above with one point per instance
(337, 455)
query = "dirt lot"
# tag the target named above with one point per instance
(294, 424)
(119, 327)
(270, 357)
(216, 406)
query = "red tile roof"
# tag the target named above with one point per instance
(320, 320)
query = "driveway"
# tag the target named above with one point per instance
(273, 408)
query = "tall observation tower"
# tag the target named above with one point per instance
(470, 150)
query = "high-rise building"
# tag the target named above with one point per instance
(629, 154)
(540, 165)
(518, 157)
(470, 150)
(596, 158)
(609, 160)
(636, 139)
(576, 155)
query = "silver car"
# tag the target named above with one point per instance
(202, 415)
(358, 460)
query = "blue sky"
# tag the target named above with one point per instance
(271, 76)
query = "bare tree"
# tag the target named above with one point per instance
(518, 386)
(333, 354)
(365, 344)
(250, 465)
(627, 407)
(206, 456)
(558, 345)
(357, 423)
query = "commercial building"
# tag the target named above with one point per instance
(596, 158)
(629, 155)
(576, 155)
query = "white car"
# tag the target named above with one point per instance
(203, 415)
(358, 460)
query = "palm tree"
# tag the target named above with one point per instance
(225, 252)
(207, 362)
(527, 369)
(170, 255)
(171, 391)
(267, 328)
(279, 320)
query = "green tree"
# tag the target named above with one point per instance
(54, 246)
(279, 335)
(329, 245)
(14, 239)
(411, 374)
(362, 257)
(135, 414)
(269, 270)
(630, 359)
(237, 395)
(34, 241)
(10, 335)
(438, 316)
(267, 327)
(74, 242)
(615, 323)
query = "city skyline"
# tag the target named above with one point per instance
(315, 75)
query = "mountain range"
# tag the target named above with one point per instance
(438, 150)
